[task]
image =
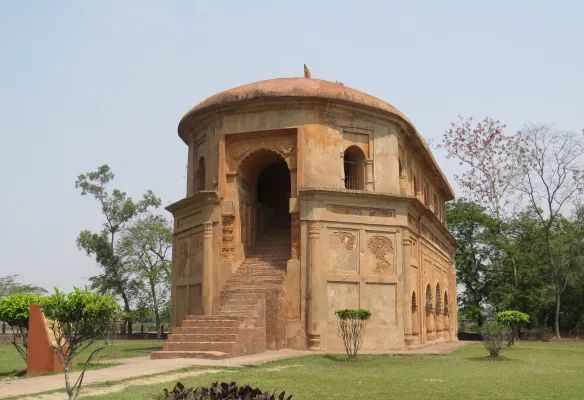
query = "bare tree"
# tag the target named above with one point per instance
(552, 180)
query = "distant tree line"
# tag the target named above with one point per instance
(520, 222)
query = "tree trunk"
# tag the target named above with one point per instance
(155, 307)
(128, 316)
(557, 313)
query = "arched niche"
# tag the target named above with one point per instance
(200, 174)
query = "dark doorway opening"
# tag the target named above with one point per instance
(273, 196)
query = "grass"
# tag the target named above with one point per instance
(530, 370)
(12, 363)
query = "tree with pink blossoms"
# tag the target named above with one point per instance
(490, 167)
(489, 157)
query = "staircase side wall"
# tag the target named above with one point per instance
(276, 319)
(190, 261)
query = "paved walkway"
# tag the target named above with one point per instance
(144, 371)
(136, 367)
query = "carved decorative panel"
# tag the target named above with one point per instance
(183, 256)
(227, 238)
(381, 247)
(190, 257)
(343, 252)
(295, 235)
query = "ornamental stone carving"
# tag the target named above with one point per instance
(240, 148)
(184, 253)
(381, 247)
(346, 238)
(227, 238)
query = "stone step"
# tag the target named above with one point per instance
(202, 337)
(235, 309)
(224, 347)
(244, 300)
(215, 323)
(240, 313)
(265, 261)
(159, 355)
(202, 318)
(223, 330)
(252, 286)
(255, 279)
(260, 271)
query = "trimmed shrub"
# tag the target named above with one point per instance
(352, 323)
(78, 320)
(221, 391)
(513, 319)
(14, 311)
(494, 336)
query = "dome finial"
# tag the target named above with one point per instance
(307, 73)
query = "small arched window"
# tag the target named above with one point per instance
(200, 175)
(438, 299)
(354, 167)
(445, 303)
(416, 187)
(428, 297)
(414, 302)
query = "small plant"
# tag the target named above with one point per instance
(78, 320)
(179, 392)
(221, 391)
(352, 323)
(513, 319)
(494, 335)
(14, 310)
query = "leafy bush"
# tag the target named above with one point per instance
(78, 320)
(494, 335)
(513, 319)
(221, 391)
(352, 323)
(14, 311)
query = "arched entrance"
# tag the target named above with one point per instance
(264, 196)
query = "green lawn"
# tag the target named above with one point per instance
(534, 370)
(12, 363)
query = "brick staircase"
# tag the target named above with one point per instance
(251, 316)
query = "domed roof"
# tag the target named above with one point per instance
(293, 87)
(309, 88)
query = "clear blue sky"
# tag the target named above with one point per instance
(84, 83)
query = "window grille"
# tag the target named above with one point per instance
(351, 174)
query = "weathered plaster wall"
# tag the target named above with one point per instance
(371, 248)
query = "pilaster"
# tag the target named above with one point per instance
(207, 268)
(313, 280)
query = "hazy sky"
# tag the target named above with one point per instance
(91, 82)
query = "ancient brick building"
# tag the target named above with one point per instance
(305, 196)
